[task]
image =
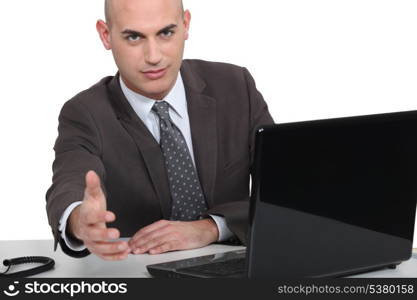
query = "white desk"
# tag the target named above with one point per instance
(135, 265)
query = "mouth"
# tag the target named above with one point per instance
(155, 74)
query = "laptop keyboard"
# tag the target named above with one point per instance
(225, 268)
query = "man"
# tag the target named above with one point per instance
(162, 150)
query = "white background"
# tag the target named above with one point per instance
(310, 59)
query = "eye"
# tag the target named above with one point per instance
(167, 34)
(133, 38)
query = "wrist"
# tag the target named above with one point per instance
(73, 224)
(212, 229)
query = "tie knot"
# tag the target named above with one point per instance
(162, 109)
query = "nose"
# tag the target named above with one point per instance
(153, 55)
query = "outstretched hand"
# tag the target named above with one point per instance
(88, 223)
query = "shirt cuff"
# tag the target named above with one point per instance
(71, 243)
(224, 231)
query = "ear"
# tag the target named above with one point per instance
(187, 21)
(104, 33)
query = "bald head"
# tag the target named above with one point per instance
(147, 39)
(108, 5)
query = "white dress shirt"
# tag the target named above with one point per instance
(179, 115)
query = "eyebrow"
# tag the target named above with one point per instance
(134, 32)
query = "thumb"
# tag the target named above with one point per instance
(92, 183)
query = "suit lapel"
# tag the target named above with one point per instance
(203, 124)
(147, 145)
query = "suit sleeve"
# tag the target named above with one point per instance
(237, 213)
(77, 150)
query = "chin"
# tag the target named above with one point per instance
(153, 93)
(157, 88)
(152, 88)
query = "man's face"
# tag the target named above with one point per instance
(147, 39)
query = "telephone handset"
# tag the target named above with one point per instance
(47, 264)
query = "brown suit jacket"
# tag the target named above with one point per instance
(99, 130)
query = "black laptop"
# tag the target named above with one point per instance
(329, 198)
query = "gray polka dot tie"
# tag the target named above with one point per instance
(188, 201)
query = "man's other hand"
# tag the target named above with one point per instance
(87, 223)
(164, 236)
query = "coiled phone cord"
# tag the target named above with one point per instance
(47, 264)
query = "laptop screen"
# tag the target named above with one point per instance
(335, 189)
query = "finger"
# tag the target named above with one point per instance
(97, 216)
(97, 234)
(151, 244)
(166, 247)
(109, 248)
(116, 256)
(144, 239)
(145, 230)
(93, 187)
(154, 243)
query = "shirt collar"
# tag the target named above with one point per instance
(143, 105)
